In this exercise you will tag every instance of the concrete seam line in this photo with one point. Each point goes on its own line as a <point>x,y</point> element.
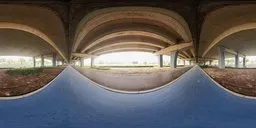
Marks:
<point>34,92</point>
<point>131,92</point>
<point>225,89</point>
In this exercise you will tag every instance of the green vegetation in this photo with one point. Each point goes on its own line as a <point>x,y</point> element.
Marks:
<point>25,71</point>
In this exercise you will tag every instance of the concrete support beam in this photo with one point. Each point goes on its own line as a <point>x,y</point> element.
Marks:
<point>236,61</point>
<point>34,61</point>
<point>192,51</point>
<point>54,59</point>
<point>190,62</point>
<point>160,59</point>
<point>92,61</point>
<point>42,60</point>
<point>186,54</point>
<point>175,47</point>
<point>84,55</point>
<point>81,62</point>
<point>184,62</point>
<point>182,56</point>
<point>221,54</point>
<point>231,51</point>
<point>174,55</point>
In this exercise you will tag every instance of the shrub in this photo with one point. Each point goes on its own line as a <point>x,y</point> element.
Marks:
<point>25,71</point>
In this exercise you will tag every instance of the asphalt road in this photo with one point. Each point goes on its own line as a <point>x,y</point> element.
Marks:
<point>71,101</point>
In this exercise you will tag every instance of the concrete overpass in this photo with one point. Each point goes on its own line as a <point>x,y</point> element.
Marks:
<point>74,30</point>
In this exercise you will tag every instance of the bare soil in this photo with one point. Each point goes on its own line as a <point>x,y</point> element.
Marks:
<point>133,79</point>
<point>241,81</point>
<point>15,85</point>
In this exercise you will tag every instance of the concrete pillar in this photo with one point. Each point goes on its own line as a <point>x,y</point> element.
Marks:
<point>34,61</point>
<point>210,62</point>
<point>160,60</point>
<point>92,62</point>
<point>190,62</point>
<point>244,62</point>
<point>42,60</point>
<point>184,62</point>
<point>221,54</point>
<point>236,61</point>
<point>54,59</point>
<point>174,56</point>
<point>82,62</point>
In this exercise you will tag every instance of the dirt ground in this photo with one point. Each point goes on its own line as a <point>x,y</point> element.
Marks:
<point>242,81</point>
<point>19,85</point>
<point>133,79</point>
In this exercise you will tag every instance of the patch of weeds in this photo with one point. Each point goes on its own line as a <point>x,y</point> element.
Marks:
<point>100,68</point>
<point>24,71</point>
<point>204,66</point>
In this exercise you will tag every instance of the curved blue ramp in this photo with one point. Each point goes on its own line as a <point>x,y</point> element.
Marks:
<point>71,101</point>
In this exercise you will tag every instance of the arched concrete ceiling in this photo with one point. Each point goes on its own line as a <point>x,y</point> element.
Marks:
<point>114,24</point>
<point>114,30</point>
<point>110,38</point>
<point>128,47</point>
<point>129,39</point>
<point>243,42</point>
<point>20,43</point>
<point>224,22</point>
<point>39,21</point>
<point>126,50</point>
<point>102,48</point>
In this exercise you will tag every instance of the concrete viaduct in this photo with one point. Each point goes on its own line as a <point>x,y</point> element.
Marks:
<point>67,31</point>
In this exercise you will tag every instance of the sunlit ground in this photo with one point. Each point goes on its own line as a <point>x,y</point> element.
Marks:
<point>130,59</point>
<point>21,62</point>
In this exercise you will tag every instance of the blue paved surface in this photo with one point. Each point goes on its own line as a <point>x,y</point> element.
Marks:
<point>72,102</point>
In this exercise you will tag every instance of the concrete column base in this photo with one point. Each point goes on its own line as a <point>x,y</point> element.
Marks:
<point>236,61</point>
<point>82,62</point>
<point>54,59</point>
<point>34,61</point>
<point>221,53</point>
<point>160,59</point>
<point>244,62</point>
<point>42,60</point>
<point>92,62</point>
<point>174,56</point>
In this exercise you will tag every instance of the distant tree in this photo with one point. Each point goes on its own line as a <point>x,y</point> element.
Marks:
<point>135,62</point>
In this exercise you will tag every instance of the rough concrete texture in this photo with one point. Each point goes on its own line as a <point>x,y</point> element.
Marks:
<point>231,19</point>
